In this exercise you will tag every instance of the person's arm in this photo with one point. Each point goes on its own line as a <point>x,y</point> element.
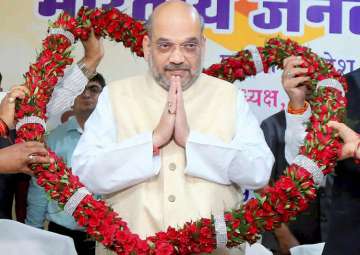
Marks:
<point>37,203</point>
<point>351,139</point>
<point>298,112</point>
<point>64,94</point>
<point>103,164</point>
<point>295,133</point>
<point>286,239</point>
<point>246,160</point>
<point>17,158</point>
<point>74,81</point>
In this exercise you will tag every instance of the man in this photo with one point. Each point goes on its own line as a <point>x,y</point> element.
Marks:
<point>62,141</point>
<point>309,227</point>
<point>173,145</point>
<point>345,209</point>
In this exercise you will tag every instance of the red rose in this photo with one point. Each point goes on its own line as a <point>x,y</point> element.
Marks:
<point>269,224</point>
<point>252,230</point>
<point>163,248</point>
<point>248,217</point>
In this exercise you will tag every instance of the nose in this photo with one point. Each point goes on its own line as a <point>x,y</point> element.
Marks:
<point>177,56</point>
<point>86,93</point>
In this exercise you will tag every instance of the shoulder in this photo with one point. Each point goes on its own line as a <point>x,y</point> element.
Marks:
<point>355,73</point>
<point>127,82</point>
<point>277,119</point>
<point>218,84</point>
<point>58,132</point>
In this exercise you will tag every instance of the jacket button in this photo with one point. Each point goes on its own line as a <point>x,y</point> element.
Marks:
<point>171,198</point>
<point>172,166</point>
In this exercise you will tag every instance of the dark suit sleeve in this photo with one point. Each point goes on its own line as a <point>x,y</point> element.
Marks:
<point>274,132</point>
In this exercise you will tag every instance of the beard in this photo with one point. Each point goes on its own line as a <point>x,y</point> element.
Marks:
<point>165,83</point>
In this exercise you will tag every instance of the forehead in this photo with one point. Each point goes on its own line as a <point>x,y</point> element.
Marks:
<point>177,28</point>
<point>93,83</point>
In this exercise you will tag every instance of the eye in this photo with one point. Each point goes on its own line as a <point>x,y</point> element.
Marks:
<point>190,46</point>
<point>164,46</point>
<point>95,89</point>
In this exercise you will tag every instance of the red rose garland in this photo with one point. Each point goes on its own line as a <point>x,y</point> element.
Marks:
<point>288,197</point>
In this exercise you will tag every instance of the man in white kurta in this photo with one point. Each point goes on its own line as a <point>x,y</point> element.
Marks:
<point>210,143</point>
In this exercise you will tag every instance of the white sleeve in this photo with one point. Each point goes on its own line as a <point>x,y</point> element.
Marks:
<point>295,133</point>
<point>64,94</point>
<point>246,160</point>
<point>104,165</point>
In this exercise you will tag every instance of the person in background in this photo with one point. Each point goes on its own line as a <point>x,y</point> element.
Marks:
<point>13,185</point>
<point>61,101</point>
<point>345,210</point>
<point>62,141</point>
<point>16,158</point>
<point>310,226</point>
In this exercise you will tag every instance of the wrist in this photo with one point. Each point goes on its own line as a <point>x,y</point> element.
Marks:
<point>88,67</point>
<point>156,151</point>
<point>156,139</point>
<point>296,108</point>
<point>93,61</point>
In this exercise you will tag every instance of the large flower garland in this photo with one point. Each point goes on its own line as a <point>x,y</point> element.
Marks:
<point>288,197</point>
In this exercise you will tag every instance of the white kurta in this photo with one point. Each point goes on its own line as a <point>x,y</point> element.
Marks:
<point>98,150</point>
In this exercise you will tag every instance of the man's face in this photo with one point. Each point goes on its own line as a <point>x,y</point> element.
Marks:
<point>175,49</point>
<point>86,102</point>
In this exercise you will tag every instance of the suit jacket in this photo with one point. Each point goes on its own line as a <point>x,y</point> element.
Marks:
<point>310,226</point>
<point>345,212</point>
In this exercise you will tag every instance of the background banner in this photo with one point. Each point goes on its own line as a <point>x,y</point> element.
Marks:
<point>330,27</point>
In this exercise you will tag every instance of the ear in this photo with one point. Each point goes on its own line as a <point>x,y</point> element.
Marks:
<point>146,47</point>
<point>203,44</point>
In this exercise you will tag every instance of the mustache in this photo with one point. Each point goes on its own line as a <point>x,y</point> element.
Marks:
<point>172,67</point>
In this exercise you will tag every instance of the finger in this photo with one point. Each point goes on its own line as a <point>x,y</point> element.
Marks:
<point>296,82</point>
<point>291,63</point>
<point>334,124</point>
<point>291,58</point>
<point>37,148</point>
<point>39,151</point>
<point>92,33</point>
<point>16,94</point>
<point>290,73</point>
<point>37,159</point>
<point>171,104</point>
<point>22,88</point>
<point>34,144</point>
<point>341,128</point>
<point>27,170</point>
<point>180,101</point>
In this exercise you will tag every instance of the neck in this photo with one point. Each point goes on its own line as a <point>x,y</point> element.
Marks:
<point>81,119</point>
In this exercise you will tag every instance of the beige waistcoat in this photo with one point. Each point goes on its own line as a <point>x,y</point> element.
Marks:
<point>171,198</point>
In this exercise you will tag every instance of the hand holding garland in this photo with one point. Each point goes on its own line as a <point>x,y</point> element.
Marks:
<point>351,147</point>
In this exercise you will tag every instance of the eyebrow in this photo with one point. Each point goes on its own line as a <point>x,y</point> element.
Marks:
<point>190,39</point>
<point>93,85</point>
